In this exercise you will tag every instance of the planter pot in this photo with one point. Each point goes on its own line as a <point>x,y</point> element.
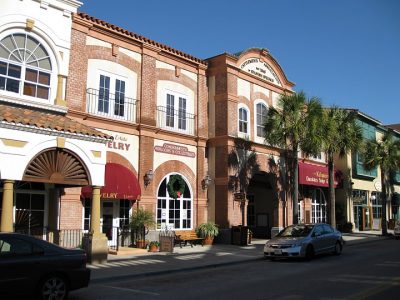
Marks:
<point>153,248</point>
<point>208,240</point>
<point>141,244</point>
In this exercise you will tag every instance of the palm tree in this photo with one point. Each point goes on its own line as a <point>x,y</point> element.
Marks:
<point>340,134</point>
<point>386,154</point>
<point>292,128</point>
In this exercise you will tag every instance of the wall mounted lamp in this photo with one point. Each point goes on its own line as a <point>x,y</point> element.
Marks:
<point>148,177</point>
<point>206,182</point>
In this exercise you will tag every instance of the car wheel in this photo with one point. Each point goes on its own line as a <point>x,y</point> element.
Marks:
<point>267,257</point>
<point>309,252</point>
<point>338,249</point>
<point>53,287</point>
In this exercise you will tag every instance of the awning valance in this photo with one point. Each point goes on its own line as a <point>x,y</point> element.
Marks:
<point>120,183</point>
<point>316,175</point>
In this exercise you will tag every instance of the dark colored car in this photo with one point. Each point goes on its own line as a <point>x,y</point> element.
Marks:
<point>30,266</point>
<point>304,240</point>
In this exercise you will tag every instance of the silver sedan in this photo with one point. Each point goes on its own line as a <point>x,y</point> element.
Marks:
<point>304,240</point>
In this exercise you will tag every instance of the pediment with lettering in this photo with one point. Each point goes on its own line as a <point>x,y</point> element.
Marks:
<point>261,69</point>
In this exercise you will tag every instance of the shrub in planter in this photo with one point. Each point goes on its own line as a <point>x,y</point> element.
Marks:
<point>140,222</point>
<point>208,231</point>
<point>153,246</point>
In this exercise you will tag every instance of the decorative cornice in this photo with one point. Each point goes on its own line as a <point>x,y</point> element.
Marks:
<point>133,37</point>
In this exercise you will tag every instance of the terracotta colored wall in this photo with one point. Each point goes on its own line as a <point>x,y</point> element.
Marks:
<point>71,209</point>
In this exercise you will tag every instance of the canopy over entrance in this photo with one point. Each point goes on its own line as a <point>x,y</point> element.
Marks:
<point>120,183</point>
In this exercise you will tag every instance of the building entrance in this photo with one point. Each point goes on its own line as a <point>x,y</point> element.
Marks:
<point>260,205</point>
<point>362,217</point>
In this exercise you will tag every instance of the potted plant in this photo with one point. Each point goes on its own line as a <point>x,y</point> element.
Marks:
<point>153,246</point>
<point>140,222</point>
<point>208,231</point>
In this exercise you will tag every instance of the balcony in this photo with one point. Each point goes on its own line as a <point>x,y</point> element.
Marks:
<point>111,106</point>
<point>175,120</point>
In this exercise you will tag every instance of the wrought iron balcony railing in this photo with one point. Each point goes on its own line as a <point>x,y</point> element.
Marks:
<point>175,120</point>
<point>114,106</point>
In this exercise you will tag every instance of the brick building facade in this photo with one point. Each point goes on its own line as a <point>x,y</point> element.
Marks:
<point>166,122</point>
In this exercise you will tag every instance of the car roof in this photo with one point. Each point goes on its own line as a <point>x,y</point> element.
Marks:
<point>30,238</point>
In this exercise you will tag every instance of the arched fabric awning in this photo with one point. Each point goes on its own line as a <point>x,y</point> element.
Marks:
<point>120,183</point>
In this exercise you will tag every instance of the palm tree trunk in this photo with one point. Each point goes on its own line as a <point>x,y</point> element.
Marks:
<point>383,195</point>
<point>332,199</point>
<point>295,170</point>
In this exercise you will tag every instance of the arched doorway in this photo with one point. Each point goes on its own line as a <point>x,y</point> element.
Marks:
<point>37,197</point>
<point>260,205</point>
<point>174,213</point>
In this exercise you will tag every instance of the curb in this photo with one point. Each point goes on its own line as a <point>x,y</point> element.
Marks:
<point>352,243</point>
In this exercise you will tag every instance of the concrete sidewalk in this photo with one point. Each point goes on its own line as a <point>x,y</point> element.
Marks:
<point>187,258</point>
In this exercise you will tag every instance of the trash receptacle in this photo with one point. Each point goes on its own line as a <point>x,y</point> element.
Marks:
<point>240,235</point>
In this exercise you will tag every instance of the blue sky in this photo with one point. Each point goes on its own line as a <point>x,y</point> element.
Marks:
<point>346,52</point>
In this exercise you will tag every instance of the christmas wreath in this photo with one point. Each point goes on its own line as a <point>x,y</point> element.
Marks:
<point>176,186</point>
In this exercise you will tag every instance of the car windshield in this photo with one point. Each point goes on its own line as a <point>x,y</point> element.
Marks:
<point>296,231</point>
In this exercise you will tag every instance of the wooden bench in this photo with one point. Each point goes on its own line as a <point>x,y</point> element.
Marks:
<point>185,236</point>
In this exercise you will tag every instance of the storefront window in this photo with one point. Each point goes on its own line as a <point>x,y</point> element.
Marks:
<point>173,213</point>
<point>124,208</point>
<point>86,218</point>
<point>360,197</point>
<point>376,203</point>
<point>318,214</point>
<point>300,214</point>
<point>29,213</point>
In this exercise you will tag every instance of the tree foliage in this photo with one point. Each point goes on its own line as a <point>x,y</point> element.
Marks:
<point>294,126</point>
<point>386,154</point>
<point>339,134</point>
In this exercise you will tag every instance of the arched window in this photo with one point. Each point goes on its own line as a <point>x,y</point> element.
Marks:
<point>174,213</point>
<point>25,66</point>
<point>261,113</point>
<point>243,120</point>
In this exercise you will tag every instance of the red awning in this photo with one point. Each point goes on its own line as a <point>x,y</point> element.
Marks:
<point>316,175</point>
<point>120,183</point>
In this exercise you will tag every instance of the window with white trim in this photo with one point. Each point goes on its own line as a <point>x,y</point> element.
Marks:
<point>243,120</point>
<point>300,212</point>
<point>318,213</point>
<point>176,112</point>
<point>25,66</point>
<point>109,102</point>
<point>261,114</point>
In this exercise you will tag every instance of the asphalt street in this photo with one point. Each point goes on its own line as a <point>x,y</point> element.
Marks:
<point>363,271</point>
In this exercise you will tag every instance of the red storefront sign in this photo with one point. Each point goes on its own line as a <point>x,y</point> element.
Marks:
<point>316,175</point>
